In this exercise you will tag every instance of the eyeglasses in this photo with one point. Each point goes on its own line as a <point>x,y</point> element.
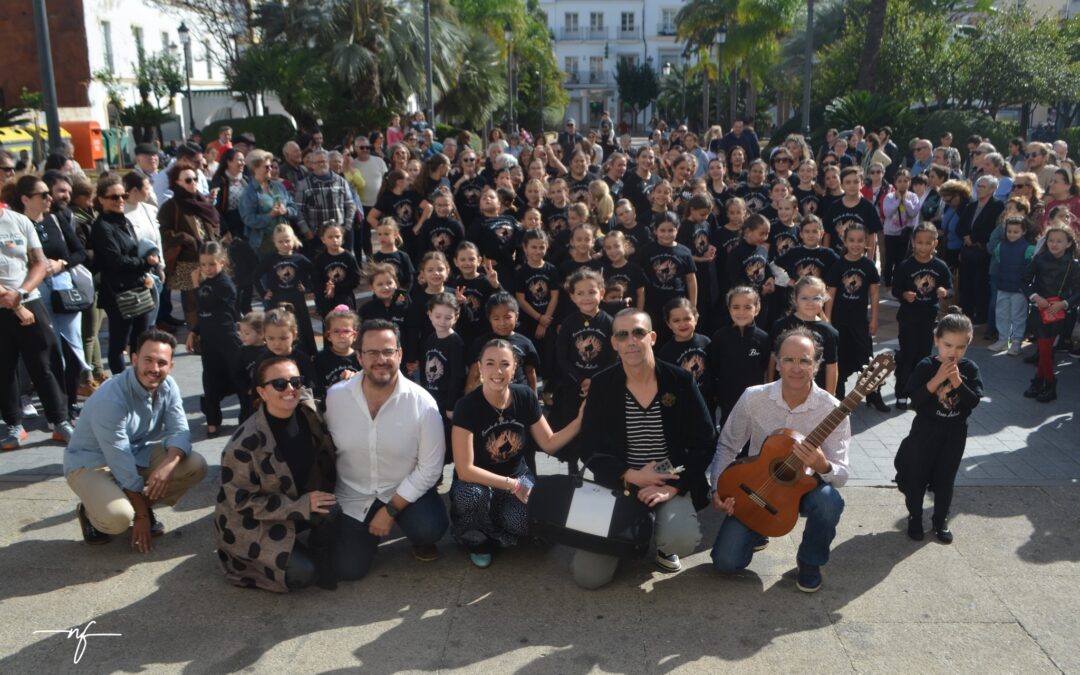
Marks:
<point>376,353</point>
<point>280,383</point>
<point>811,298</point>
<point>116,198</point>
<point>468,160</point>
<point>782,159</point>
<point>188,181</point>
<point>624,335</point>
<point>363,147</point>
<point>802,362</point>
<point>7,169</point>
<point>43,195</point>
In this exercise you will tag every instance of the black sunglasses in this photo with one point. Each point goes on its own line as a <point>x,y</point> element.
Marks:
<point>7,169</point>
<point>280,383</point>
<point>638,333</point>
<point>188,181</point>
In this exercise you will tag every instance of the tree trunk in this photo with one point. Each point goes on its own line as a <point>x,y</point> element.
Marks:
<point>875,30</point>
<point>1025,119</point>
<point>751,94</point>
<point>734,103</point>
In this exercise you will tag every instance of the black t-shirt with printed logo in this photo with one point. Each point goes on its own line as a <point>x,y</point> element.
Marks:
<point>782,238</point>
<point>536,285</point>
<point>344,271</point>
<point>801,261</point>
<point>693,357</point>
<point>923,279</point>
<point>441,234</point>
<point>498,238</point>
<point>499,447</point>
<point>756,198</point>
<point>840,216</point>
<point>852,280</point>
<point>330,367</point>
<point>638,191</point>
<point>396,311</point>
<point>748,265</point>
<point>584,346</point>
<point>443,369</point>
<point>473,320</point>
<point>809,201</point>
<point>636,237</point>
<point>665,268</point>
<point>404,208</point>
<point>282,275</point>
<point>401,262</point>
<point>579,188</point>
<point>553,218</point>
<point>467,200</point>
<point>629,276</point>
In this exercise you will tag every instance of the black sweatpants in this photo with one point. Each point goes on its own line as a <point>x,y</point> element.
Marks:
<point>218,362</point>
<point>916,336</point>
<point>35,344</point>
<point>855,347</point>
<point>930,457</point>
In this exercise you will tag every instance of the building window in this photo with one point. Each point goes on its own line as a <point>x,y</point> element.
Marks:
<point>209,61</point>
<point>626,23</point>
<point>596,21</point>
<point>106,35</point>
<point>667,21</point>
<point>164,41</point>
<point>571,69</point>
<point>596,69</point>
<point>628,60</point>
<point>140,45</point>
<point>570,24</point>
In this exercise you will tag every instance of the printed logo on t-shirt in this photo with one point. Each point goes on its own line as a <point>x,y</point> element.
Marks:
<point>538,290</point>
<point>925,284</point>
<point>403,212</point>
<point>665,270</point>
<point>286,274</point>
<point>754,269</point>
<point>588,347</point>
<point>852,282</point>
<point>693,361</point>
<point>755,201</point>
<point>784,243</point>
<point>808,268</point>
<point>441,240</point>
<point>504,441</point>
<point>434,368</point>
<point>701,242</point>
<point>335,272</point>
<point>948,399</point>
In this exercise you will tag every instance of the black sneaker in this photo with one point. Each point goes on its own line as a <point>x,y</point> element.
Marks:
<point>943,533</point>
<point>1036,387</point>
<point>901,404</point>
<point>915,528</point>
<point>761,544</point>
<point>90,534</point>
<point>157,528</point>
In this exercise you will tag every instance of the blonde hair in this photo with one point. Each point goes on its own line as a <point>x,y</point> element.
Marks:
<point>285,228</point>
<point>603,204</point>
<point>388,221</point>
<point>282,316</point>
<point>253,320</point>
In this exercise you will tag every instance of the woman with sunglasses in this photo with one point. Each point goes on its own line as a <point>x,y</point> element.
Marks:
<point>780,166</point>
<point>276,518</point>
<point>25,327</point>
<point>1026,184</point>
<point>188,221</point>
<point>876,188</point>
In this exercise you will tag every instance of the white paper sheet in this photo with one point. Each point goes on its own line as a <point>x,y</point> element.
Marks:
<point>591,509</point>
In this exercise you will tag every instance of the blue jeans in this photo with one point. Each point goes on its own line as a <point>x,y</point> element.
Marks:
<point>424,522</point>
<point>991,313</point>
<point>1011,313</point>
<point>822,506</point>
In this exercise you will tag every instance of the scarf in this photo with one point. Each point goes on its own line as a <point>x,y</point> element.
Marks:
<point>192,204</point>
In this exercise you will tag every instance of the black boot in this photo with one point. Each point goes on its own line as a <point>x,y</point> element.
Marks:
<point>915,528</point>
<point>942,531</point>
<point>1036,387</point>
<point>91,535</point>
<point>1048,393</point>
<point>873,399</point>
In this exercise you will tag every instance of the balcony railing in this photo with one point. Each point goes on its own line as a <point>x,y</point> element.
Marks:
<point>578,79</point>
<point>629,33</point>
<point>598,33</point>
<point>581,34</point>
<point>600,77</point>
<point>666,29</point>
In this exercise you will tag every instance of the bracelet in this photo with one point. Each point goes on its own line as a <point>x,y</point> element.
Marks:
<point>143,516</point>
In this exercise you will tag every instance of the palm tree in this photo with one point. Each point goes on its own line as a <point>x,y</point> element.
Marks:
<point>875,31</point>
<point>480,87</point>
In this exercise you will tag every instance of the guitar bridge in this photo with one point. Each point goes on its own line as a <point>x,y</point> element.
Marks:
<point>758,499</point>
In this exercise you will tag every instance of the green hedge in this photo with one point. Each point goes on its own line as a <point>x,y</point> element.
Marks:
<point>1072,137</point>
<point>964,123</point>
<point>271,131</point>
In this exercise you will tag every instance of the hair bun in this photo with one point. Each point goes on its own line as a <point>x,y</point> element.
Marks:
<point>954,309</point>
<point>287,306</point>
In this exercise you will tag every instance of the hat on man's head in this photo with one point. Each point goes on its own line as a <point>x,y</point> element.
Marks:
<point>146,149</point>
<point>245,137</point>
<point>570,121</point>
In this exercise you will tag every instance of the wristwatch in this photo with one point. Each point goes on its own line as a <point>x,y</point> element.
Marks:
<point>392,510</point>
<point>23,295</point>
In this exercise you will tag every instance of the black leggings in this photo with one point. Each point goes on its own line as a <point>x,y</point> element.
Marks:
<point>123,333</point>
<point>314,563</point>
<point>67,369</point>
<point>35,344</point>
<point>896,246</point>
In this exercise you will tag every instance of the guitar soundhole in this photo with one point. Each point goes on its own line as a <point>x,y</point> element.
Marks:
<point>783,472</point>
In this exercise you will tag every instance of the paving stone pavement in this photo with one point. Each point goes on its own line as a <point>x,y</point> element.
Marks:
<point>1003,598</point>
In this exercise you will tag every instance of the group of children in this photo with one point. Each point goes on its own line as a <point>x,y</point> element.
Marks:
<point>720,279</point>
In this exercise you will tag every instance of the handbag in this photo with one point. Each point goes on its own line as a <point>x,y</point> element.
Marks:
<point>78,293</point>
<point>1045,314</point>
<point>580,513</point>
<point>134,302</point>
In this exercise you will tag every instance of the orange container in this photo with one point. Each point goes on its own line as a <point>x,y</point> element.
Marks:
<point>88,142</point>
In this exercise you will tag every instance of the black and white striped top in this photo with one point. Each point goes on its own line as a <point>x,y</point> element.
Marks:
<point>645,440</point>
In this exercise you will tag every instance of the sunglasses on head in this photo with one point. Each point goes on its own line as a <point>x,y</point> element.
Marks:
<point>637,333</point>
<point>280,383</point>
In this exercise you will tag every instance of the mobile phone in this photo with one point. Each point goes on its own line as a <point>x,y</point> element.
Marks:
<point>665,466</point>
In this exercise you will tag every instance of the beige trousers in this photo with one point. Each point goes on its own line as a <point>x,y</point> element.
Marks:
<point>108,507</point>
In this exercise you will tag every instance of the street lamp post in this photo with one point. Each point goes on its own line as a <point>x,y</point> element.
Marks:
<point>508,33</point>
<point>185,39</point>
<point>686,62</point>
<point>808,58</point>
<point>540,79</point>
<point>427,64</point>
<point>705,92</point>
<point>721,38</point>
<point>666,70</point>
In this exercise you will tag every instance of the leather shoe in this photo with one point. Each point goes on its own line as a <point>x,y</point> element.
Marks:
<point>90,534</point>
<point>874,400</point>
<point>943,534</point>
<point>157,528</point>
<point>915,528</point>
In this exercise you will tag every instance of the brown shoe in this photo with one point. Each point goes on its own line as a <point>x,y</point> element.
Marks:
<point>425,552</point>
<point>101,377</point>
<point>87,389</point>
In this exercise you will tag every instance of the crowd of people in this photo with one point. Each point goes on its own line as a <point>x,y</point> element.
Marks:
<point>537,294</point>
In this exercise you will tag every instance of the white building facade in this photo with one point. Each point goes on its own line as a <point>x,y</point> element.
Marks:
<point>592,36</point>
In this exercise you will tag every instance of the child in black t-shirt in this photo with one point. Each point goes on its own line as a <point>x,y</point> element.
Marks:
<point>434,270</point>
<point>388,241</point>
<point>388,301</point>
<point>920,282</point>
<point>538,294</point>
<point>442,232</point>
<point>810,295</point>
<point>250,329</point>
<point>338,361</point>
<point>852,208</point>
<point>582,249</point>
<point>497,236</point>
<point>853,283</point>
<point>748,265</point>
<point>697,234</point>
<point>618,268</point>
<point>809,257</point>
<point>687,348</point>
<point>626,222</point>
<point>502,315</point>
<point>727,238</point>
<point>443,360</point>
<point>583,347</point>
<point>784,229</point>
<point>738,353</point>
<point>337,273</point>
<point>216,333</point>
<point>284,277</point>
<point>670,271</point>
<point>473,288</point>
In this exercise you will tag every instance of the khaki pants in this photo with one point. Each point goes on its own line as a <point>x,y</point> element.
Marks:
<point>108,507</point>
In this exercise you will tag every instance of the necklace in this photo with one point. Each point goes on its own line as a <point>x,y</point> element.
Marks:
<point>500,411</point>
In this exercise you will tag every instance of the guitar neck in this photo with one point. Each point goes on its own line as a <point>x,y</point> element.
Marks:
<point>834,418</point>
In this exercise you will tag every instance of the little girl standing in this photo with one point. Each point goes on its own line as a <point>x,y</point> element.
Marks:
<point>339,360</point>
<point>337,273</point>
<point>688,349</point>
<point>944,389</point>
<point>389,302</point>
<point>216,331</point>
<point>1053,284</point>
<point>283,278</point>
<point>388,241</point>
<point>738,353</point>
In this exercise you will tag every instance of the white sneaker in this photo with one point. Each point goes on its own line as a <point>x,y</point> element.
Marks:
<point>1014,348</point>
<point>28,409</point>
<point>668,563</point>
<point>999,346</point>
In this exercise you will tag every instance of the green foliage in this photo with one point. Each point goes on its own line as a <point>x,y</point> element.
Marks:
<point>873,111</point>
<point>270,131</point>
<point>34,100</point>
<point>480,88</point>
<point>1070,136</point>
<point>963,123</point>
<point>638,84</point>
<point>11,116</point>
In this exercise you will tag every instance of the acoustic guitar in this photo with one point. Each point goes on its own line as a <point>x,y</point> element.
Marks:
<point>768,486</point>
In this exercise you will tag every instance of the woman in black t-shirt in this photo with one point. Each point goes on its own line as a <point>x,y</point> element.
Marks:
<point>492,429</point>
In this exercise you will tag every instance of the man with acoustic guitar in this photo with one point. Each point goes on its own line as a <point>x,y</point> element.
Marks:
<point>794,403</point>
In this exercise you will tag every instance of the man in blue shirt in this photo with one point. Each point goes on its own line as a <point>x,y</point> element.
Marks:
<point>132,448</point>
